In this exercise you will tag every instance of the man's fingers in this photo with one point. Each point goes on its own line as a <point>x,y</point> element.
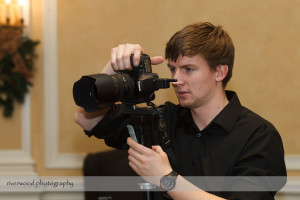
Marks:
<point>119,57</point>
<point>113,59</point>
<point>134,155</point>
<point>136,56</point>
<point>126,58</point>
<point>133,160</point>
<point>138,147</point>
<point>134,167</point>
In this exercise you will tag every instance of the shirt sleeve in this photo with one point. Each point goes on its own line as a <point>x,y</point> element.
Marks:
<point>113,128</point>
<point>260,171</point>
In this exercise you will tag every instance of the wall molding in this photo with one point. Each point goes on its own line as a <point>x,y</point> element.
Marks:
<point>54,159</point>
<point>19,161</point>
<point>292,161</point>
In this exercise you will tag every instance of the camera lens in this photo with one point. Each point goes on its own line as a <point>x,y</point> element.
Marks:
<point>98,91</point>
<point>124,86</point>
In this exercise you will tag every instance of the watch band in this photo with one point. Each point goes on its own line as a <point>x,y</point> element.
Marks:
<point>173,173</point>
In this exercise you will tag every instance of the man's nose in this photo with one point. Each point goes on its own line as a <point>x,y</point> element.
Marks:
<point>179,82</point>
<point>178,78</point>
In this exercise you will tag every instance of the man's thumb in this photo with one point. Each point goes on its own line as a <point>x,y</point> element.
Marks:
<point>156,60</point>
<point>157,149</point>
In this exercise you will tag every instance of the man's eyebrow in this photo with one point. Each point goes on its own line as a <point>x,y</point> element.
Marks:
<point>182,66</point>
<point>169,65</point>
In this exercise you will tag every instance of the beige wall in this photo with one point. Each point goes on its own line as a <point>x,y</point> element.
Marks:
<point>10,130</point>
<point>265,74</point>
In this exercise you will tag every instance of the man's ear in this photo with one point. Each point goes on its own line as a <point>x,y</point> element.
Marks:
<point>221,72</point>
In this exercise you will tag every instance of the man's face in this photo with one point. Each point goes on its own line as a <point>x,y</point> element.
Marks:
<point>196,83</point>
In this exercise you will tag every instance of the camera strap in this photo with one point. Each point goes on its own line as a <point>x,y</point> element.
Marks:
<point>164,136</point>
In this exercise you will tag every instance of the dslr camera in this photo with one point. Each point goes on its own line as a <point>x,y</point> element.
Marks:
<point>98,91</point>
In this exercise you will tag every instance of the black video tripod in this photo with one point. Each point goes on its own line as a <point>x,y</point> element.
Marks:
<point>147,121</point>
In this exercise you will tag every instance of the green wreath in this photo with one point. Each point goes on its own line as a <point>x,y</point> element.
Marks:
<point>16,67</point>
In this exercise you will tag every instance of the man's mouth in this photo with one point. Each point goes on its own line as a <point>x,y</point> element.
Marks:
<point>182,93</point>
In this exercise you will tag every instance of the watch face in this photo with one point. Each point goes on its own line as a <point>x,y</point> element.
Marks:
<point>167,183</point>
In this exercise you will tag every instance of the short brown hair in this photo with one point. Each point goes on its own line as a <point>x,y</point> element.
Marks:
<point>211,42</point>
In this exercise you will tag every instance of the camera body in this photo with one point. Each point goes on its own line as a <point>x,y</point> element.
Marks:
<point>97,91</point>
<point>144,81</point>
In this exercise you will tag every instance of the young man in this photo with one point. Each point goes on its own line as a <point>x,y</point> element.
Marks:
<point>211,133</point>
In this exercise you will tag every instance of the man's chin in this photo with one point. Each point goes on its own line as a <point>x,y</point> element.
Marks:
<point>185,104</point>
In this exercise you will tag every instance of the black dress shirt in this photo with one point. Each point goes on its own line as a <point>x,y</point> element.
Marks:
<point>237,142</point>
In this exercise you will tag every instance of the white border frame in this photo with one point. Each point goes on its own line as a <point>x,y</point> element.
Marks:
<point>19,161</point>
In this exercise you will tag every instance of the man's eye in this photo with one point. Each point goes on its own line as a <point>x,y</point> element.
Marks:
<point>188,69</point>
<point>172,69</point>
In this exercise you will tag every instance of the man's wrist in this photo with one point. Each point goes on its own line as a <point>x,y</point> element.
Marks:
<point>168,182</point>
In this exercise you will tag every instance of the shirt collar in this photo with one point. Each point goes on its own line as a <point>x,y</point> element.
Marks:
<point>229,115</point>
<point>226,118</point>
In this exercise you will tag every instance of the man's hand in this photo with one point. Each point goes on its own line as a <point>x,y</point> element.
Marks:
<point>120,58</point>
<point>148,162</point>
<point>88,120</point>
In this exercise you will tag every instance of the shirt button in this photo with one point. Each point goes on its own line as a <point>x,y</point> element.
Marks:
<point>199,135</point>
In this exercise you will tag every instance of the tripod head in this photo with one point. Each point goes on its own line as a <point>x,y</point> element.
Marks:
<point>144,122</point>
